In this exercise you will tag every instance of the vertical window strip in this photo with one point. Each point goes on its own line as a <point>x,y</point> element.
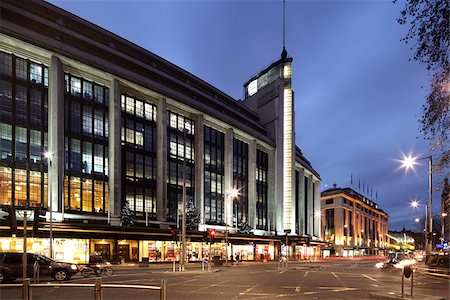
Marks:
<point>22,126</point>
<point>86,173</point>
<point>139,155</point>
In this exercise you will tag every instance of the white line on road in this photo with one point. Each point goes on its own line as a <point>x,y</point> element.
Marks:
<point>371,278</point>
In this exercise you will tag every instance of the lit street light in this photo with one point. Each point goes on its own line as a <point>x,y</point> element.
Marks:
<point>415,204</point>
<point>49,157</point>
<point>409,162</point>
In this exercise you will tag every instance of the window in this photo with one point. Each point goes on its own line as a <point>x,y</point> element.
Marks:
<point>139,156</point>
<point>214,175</point>
<point>181,144</point>
<point>329,201</point>
<point>86,168</point>
<point>240,180</point>
<point>262,166</point>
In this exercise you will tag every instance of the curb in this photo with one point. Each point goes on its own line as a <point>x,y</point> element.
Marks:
<point>395,296</point>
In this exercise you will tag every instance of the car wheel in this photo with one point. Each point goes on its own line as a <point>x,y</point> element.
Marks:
<point>108,271</point>
<point>61,275</point>
<point>3,277</point>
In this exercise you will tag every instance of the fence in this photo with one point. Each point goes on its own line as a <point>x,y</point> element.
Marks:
<point>98,286</point>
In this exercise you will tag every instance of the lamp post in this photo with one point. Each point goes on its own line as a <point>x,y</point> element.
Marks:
<point>415,204</point>
<point>408,163</point>
<point>443,215</point>
<point>232,194</point>
<point>183,222</point>
<point>49,157</point>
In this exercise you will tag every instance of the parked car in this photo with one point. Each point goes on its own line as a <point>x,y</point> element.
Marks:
<point>11,267</point>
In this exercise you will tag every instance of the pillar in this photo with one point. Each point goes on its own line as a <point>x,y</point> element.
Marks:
<point>115,154</point>
<point>199,166</point>
<point>228,172</point>
<point>161,161</point>
<point>56,134</point>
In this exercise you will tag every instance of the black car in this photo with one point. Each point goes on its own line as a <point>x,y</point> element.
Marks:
<point>11,267</point>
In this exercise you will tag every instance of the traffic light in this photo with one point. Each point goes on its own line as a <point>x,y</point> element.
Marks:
<point>39,215</point>
<point>173,234</point>
<point>211,234</point>
<point>11,218</point>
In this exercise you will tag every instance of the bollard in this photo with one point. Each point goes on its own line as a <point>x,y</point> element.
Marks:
<point>203,265</point>
<point>173,267</point>
<point>26,289</point>
<point>412,284</point>
<point>403,283</point>
<point>98,292</point>
<point>163,291</point>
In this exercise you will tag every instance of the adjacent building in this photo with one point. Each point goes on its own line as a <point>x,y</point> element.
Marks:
<point>127,135</point>
<point>352,224</point>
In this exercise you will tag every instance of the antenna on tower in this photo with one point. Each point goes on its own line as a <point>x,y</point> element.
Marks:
<point>284,24</point>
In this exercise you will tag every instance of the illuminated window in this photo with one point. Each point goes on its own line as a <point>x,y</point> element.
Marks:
<point>252,87</point>
<point>86,140</point>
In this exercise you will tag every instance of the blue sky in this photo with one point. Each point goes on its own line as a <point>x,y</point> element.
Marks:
<point>357,97</point>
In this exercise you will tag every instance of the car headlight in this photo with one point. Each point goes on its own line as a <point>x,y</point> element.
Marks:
<point>74,267</point>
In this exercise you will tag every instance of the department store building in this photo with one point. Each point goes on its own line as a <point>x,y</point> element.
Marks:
<point>123,127</point>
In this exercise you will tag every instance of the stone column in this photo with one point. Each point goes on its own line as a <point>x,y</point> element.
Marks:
<point>56,134</point>
<point>310,206</point>
<point>161,161</point>
<point>301,201</point>
<point>199,166</point>
<point>115,155</point>
<point>228,172</point>
<point>252,184</point>
<point>317,208</point>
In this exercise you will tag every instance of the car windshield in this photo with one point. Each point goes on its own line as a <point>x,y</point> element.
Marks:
<point>45,259</point>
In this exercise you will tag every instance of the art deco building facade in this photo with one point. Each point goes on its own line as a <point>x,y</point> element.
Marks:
<point>123,125</point>
<point>352,223</point>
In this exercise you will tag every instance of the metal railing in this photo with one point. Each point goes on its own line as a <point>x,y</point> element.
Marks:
<point>98,287</point>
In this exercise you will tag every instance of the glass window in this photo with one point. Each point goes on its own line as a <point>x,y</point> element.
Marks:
<point>21,69</point>
<point>87,90</point>
<point>75,86</point>
<point>21,145</point>
<point>87,157</point>
<point>35,73</point>
<point>5,64</point>
<point>21,104</point>
<point>5,100</point>
<point>5,143</point>
<point>5,186</point>
<point>87,195</point>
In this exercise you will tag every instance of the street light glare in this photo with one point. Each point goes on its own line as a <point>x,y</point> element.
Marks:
<point>233,193</point>
<point>409,162</point>
<point>417,220</point>
<point>48,155</point>
<point>414,203</point>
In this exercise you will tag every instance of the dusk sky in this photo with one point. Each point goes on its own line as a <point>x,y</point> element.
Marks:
<point>357,97</point>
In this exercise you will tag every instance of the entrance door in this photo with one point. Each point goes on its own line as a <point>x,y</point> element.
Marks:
<point>104,249</point>
<point>124,251</point>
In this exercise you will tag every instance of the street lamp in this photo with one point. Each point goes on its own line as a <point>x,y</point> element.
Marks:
<point>183,224</point>
<point>409,162</point>
<point>231,195</point>
<point>415,204</point>
<point>443,215</point>
<point>49,157</point>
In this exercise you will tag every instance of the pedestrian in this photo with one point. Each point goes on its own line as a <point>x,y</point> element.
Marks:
<point>237,258</point>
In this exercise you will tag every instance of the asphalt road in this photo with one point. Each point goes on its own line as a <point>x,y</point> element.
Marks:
<point>317,280</point>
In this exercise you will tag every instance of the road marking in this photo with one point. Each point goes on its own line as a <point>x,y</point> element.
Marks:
<point>339,279</point>
<point>310,293</point>
<point>297,290</point>
<point>373,279</point>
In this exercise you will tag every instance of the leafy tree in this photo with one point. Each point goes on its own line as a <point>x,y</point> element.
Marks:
<point>126,217</point>
<point>429,23</point>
